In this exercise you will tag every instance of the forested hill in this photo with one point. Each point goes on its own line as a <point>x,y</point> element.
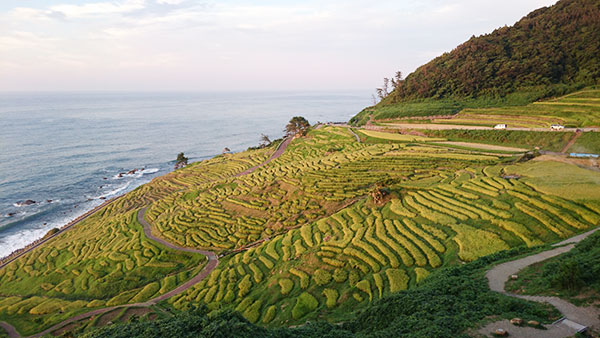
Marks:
<point>552,45</point>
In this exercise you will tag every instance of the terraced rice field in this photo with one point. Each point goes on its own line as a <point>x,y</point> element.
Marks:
<point>579,109</point>
<point>302,236</point>
<point>106,260</point>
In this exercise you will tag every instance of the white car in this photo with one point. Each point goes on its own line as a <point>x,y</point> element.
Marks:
<point>500,126</point>
<point>557,127</point>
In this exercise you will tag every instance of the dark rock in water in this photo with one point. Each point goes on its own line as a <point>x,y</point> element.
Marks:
<point>102,198</point>
<point>132,171</point>
<point>25,203</point>
<point>104,178</point>
<point>120,175</point>
<point>90,199</point>
<point>45,223</point>
<point>11,214</point>
<point>49,201</point>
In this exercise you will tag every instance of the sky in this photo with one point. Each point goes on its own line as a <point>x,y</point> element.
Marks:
<point>195,45</point>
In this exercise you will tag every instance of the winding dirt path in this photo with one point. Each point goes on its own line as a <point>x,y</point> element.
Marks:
<point>278,152</point>
<point>211,264</point>
<point>12,333</point>
<point>574,318</point>
<point>571,142</point>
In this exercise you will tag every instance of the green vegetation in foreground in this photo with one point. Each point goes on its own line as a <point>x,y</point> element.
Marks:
<point>551,141</point>
<point>574,275</point>
<point>447,304</point>
<point>331,249</point>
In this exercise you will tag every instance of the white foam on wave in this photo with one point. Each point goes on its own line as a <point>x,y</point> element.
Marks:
<point>139,173</point>
<point>115,191</point>
<point>18,240</point>
<point>150,171</point>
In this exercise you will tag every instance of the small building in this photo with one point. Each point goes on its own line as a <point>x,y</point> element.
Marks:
<point>557,127</point>
<point>500,126</point>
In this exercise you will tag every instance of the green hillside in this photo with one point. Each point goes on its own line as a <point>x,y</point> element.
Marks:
<point>550,52</point>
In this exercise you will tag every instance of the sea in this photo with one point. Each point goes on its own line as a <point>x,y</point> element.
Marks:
<point>66,151</point>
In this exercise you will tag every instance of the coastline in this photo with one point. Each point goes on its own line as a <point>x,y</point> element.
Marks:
<point>4,261</point>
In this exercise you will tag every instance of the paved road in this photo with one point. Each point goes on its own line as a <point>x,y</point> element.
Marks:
<point>438,126</point>
<point>212,263</point>
<point>574,317</point>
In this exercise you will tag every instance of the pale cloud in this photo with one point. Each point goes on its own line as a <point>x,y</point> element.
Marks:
<point>99,9</point>
<point>199,45</point>
<point>170,2</point>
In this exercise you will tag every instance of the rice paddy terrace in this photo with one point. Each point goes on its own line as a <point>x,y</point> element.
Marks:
<point>325,229</point>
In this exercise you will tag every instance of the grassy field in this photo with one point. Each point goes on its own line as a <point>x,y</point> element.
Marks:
<point>396,136</point>
<point>587,143</point>
<point>444,107</point>
<point>321,247</point>
<point>551,141</point>
<point>578,109</point>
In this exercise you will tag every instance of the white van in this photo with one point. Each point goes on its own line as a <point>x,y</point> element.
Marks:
<point>557,127</point>
<point>500,126</point>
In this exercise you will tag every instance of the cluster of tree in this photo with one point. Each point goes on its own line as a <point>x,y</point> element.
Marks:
<point>449,302</point>
<point>383,92</point>
<point>298,125</point>
<point>552,45</point>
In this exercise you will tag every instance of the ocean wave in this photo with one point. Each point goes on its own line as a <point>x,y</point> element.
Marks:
<point>137,173</point>
<point>115,191</point>
<point>150,171</point>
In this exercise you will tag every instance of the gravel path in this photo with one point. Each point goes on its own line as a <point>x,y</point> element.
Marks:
<point>574,317</point>
<point>212,263</point>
